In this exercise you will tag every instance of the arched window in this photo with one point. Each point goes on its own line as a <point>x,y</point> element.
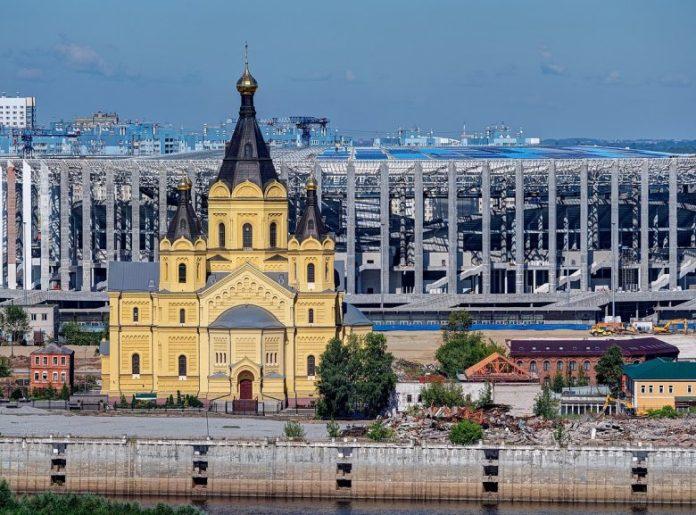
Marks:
<point>547,366</point>
<point>247,151</point>
<point>221,234</point>
<point>136,314</point>
<point>182,273</point>
<point>310,225</point>
<point>586,366</point>
<point>182,365</point>
<point>571,366</point>
<point>273,235</point>
<point>310,273</point>
<point>135,364</point>
<point>311,365</point>
<point>532,366</point>
<point>182,316</point>
<point>559,366</point>
<point>247,236</point>
<point>310,316</point>
<point>519,363</point>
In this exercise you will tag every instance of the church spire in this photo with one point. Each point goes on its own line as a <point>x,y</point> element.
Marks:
<point>246,155</point>
<point>310,223</point>
<point>185,222</point>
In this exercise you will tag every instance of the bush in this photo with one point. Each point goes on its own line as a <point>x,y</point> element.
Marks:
<point>333,429</point>
<point>75,334</point>
<point>79,504</point>
<point>663,412</point>
<point>378,432</point>
<point>294,430</point>
<point>444,394</point>
<point>465,432</point>
<point>65,392</point>
<point>45,394</point>
<point>462,350</point>
<point>545,405</point>
<point>16,394</point>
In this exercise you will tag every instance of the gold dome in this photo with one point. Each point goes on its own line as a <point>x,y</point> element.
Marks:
<point>247,84</point>
<point>185,184</point>
<point>311,184</point>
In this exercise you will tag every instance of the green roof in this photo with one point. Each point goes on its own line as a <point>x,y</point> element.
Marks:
<point>657,369</point>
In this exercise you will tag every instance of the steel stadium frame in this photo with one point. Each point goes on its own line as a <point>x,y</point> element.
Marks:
<point>540,237</point>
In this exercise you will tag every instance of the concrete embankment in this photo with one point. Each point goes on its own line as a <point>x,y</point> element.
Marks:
<point>141,467</point>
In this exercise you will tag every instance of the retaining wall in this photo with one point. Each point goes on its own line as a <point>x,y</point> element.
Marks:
<point>137,467</point>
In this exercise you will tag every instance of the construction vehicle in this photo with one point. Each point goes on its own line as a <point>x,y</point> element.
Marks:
<point>625,405</point>
<point>667,328</point>
<point>611,328</point>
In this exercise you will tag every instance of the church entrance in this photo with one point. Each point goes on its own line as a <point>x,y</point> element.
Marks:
<point>246,381</point>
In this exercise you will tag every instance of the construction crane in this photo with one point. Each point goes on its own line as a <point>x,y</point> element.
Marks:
<point>305,124</point>
<point>26,136</point>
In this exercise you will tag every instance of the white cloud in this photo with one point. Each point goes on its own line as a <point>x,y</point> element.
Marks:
<point>350,76</point>
<point>30,73</point>
<point>83,58</point>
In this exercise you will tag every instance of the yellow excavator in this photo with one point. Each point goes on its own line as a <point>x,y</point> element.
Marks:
<point>611,328</point>
<point>666,329</point>
<point>626,405</point>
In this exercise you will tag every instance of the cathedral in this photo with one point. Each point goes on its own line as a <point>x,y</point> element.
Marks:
<point>242,312</point>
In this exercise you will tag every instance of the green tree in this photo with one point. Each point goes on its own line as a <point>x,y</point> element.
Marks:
<point>376,379</point>
<point>461,350</point>
<point>459,321</point>
<point>465,432</point>
<point>582,379</point>
<point>65,392</point>
<point>444,394</point>
<point>75,335</point>
<point>335,384</point>
<point>14,322</point>
<point>5,367</point>
<point>355,377</point>
<point>558,383</point>
<point>545,405</point>
<point>609,369</point>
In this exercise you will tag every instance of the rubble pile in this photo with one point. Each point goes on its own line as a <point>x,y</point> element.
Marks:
<point>432,425</point>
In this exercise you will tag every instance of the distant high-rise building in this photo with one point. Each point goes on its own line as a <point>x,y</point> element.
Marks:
<point>17,112</point>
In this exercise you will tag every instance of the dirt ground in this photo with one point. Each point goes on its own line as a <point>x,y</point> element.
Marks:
<point>420,346</point>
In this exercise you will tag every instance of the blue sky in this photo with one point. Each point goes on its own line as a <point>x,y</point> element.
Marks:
<point>557,68</point>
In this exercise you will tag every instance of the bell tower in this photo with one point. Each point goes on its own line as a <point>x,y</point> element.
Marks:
<point>247,204</point>
<point>183,249</point>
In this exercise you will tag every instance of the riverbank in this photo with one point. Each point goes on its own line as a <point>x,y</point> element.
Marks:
<point>348,470</point>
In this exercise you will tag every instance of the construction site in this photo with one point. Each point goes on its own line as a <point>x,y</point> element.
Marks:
<point>521,238</point>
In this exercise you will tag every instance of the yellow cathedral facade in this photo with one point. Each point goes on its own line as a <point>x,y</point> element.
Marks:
<point>244,312</point>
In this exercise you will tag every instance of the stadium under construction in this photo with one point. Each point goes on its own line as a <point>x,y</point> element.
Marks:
<point>517,236</point>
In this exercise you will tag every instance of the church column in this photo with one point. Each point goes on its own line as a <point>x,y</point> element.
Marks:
<point>350,228</point>
<point>384,227</point>
<point>418,227</point>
